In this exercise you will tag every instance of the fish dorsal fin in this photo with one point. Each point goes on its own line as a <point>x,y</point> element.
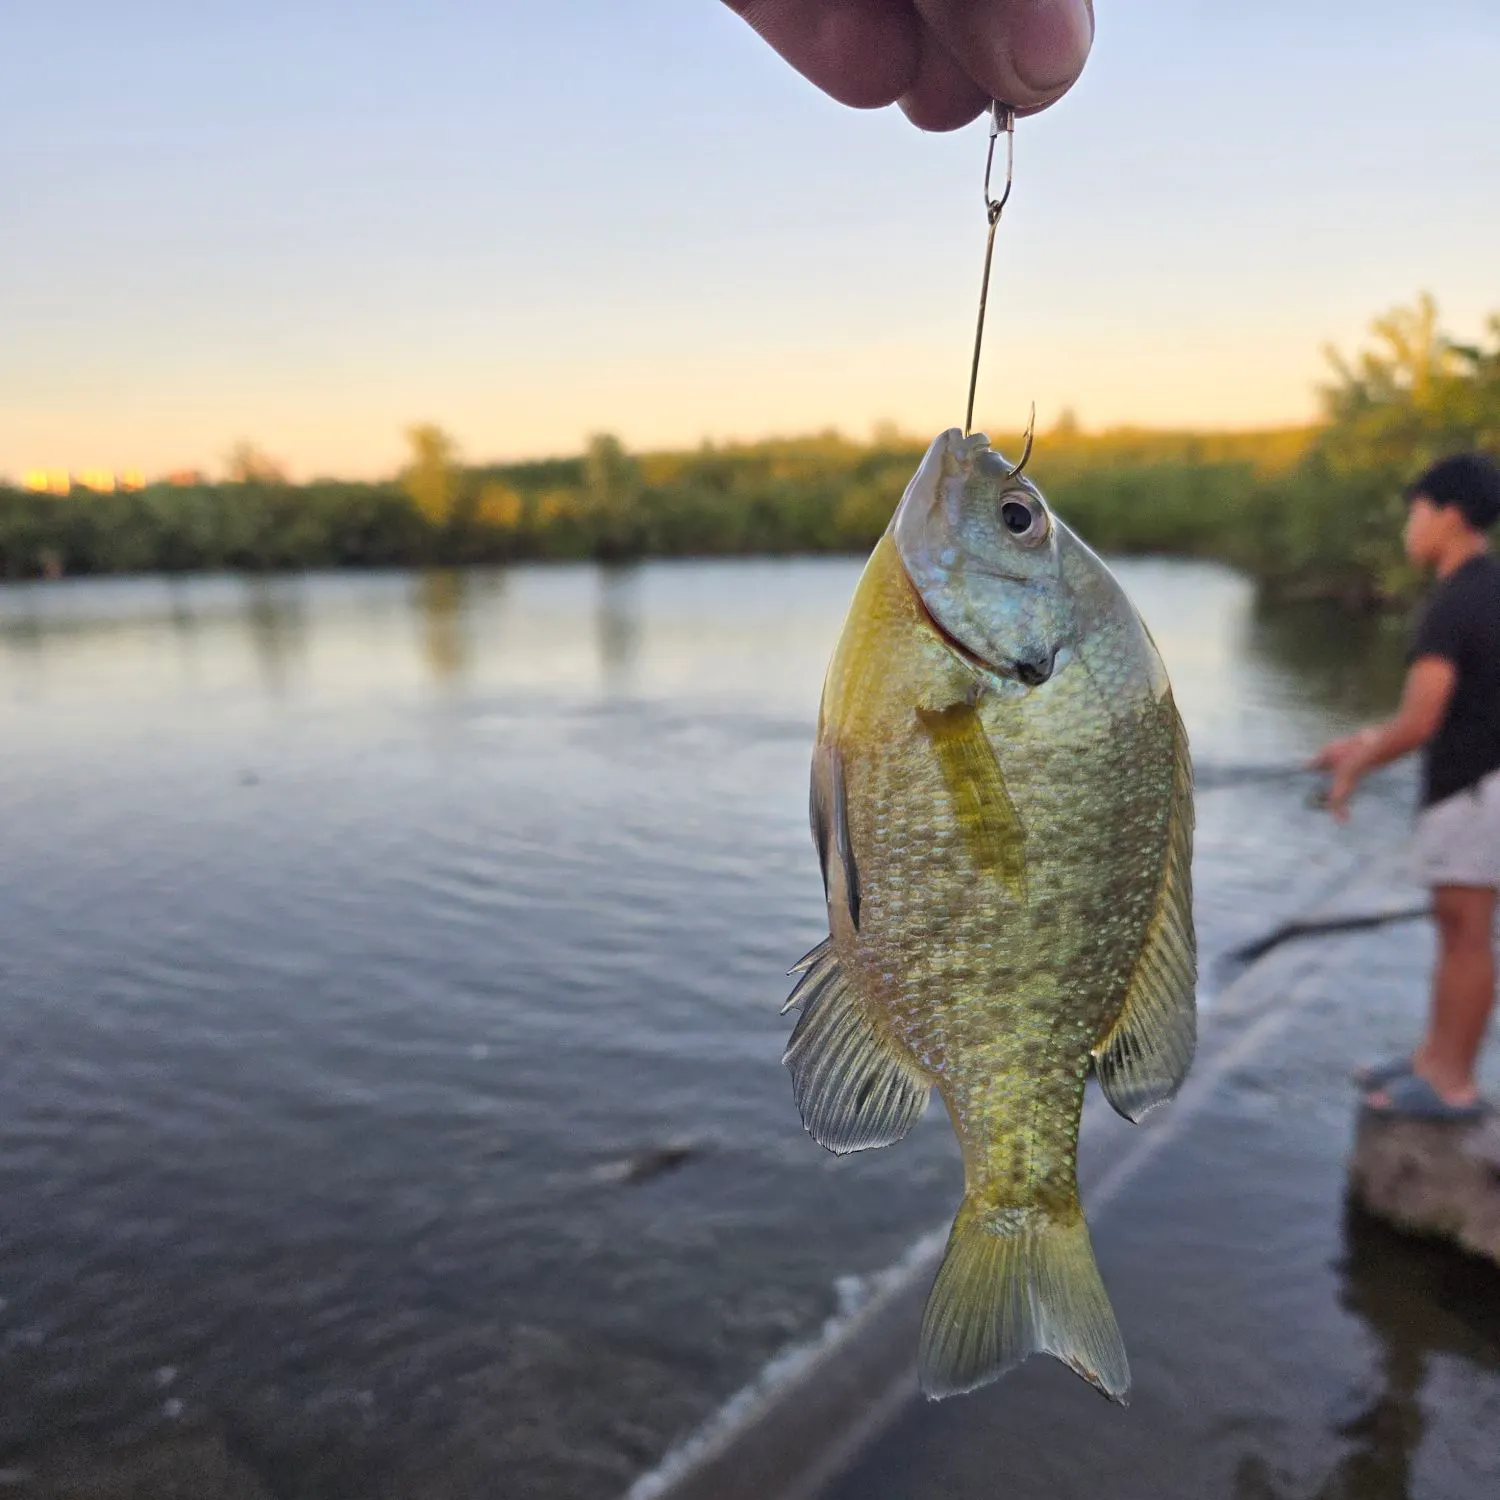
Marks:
<point>1145,1056</point>
<point>976,785</point>
<point>855,1088</point>
<point>829,812</point>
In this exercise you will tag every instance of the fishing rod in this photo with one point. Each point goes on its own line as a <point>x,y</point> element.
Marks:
<point>1213,777</point>
<point>1217,778</point>
<point>1247,953</point>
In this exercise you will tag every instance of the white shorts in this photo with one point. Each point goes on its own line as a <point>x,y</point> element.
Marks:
<point>1457,840</point>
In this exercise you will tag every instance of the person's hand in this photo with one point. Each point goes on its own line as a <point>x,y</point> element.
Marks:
<point>1346,759</point>
<point>1335,752</point>
<point>941,60</point>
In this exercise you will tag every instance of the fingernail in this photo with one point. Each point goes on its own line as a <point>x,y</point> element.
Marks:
<point>1048,41</point>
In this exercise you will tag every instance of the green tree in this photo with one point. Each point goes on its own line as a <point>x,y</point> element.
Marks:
<point>499,506</point>
<point>1067,428</point>
<point>1412,395</point>
<point>430,479</point>
<point>247,464</point>
<point>612,493</point>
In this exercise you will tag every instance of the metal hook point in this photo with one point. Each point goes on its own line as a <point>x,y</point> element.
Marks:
<point>1026,444</point>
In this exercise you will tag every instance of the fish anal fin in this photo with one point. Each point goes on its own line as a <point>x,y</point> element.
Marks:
<point>855,1088</point>
<point>1145,1056</point>
<point>976,786</point>
<point>1006,1290</point>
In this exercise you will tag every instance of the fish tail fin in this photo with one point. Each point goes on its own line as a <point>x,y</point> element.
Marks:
<point>1008,1290</point>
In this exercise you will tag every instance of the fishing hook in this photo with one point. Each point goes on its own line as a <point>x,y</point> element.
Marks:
<point>1025,444</point>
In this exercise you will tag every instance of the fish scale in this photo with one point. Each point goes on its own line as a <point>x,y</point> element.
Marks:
<point>1001,802</point>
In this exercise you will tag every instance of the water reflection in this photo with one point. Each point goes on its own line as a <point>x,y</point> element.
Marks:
<point>277,619</point>
<point>22,626</point>
<point>1419,1301</point>
<point>1350,662</point>
<point>442,598</point>
<point>180,612</point>
<point>617,623</point>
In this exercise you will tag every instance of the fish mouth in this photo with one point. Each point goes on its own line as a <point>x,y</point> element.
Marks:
<point>1028,673</point>
<point>1034,673</point>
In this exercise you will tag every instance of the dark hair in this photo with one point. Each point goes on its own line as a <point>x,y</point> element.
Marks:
<point>1469,482</point>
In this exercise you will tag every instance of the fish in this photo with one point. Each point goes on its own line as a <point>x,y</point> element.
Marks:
<point>1002,810</point>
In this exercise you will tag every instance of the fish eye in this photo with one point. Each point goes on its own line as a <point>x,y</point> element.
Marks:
<point>1024,521</point>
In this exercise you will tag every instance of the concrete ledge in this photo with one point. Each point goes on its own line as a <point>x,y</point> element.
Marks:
<point>1433,1179</point>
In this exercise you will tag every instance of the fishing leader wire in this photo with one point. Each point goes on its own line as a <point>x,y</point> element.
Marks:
<point>1002,122</point>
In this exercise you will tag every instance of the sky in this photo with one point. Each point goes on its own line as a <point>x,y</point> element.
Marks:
<point>310,225</point>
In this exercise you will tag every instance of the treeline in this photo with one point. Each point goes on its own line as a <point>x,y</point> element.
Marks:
<point>1314,511</point>
<point>1333,526</point>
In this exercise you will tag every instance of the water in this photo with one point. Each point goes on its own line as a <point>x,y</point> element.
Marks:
<point>390,966</point>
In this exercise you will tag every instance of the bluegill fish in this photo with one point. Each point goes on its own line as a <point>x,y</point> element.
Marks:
<point>1002,807</point>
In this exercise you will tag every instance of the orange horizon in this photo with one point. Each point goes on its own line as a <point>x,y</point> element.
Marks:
<point>60,480</point>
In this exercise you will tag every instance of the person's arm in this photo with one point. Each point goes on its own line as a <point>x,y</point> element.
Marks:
<point>941,60</point>
<point>1424,703</point>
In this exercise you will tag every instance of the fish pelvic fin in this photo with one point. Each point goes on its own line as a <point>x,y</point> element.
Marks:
<point>1014,1283</point>
<point>856,1089</point>
<point>828,809</point>
<point>1145,1056</point>
<point>981,800</point>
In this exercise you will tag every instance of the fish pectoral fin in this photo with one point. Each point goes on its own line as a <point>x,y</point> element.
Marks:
<point>976,787</point>
<point>1003,1292</point>
<point>1143,1059</point>
<point>828,808</point>
<point>855,1088</point>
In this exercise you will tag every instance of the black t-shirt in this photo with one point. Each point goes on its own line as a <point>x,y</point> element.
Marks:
<point>1461,623</point>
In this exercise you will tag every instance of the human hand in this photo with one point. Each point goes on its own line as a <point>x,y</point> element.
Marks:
<point>941,60</point>
<point>1335,752</point>
<point>1346,758</point>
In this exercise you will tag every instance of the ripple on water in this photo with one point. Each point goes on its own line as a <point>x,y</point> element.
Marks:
<point>341,972</point>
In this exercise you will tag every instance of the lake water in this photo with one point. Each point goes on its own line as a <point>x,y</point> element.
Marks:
<point>363,937</point>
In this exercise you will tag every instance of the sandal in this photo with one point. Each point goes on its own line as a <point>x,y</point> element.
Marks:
<point>1377,1075</point>
<point>1411,1097</point>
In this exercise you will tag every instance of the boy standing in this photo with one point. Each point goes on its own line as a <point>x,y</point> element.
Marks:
<point>1450,707</point>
